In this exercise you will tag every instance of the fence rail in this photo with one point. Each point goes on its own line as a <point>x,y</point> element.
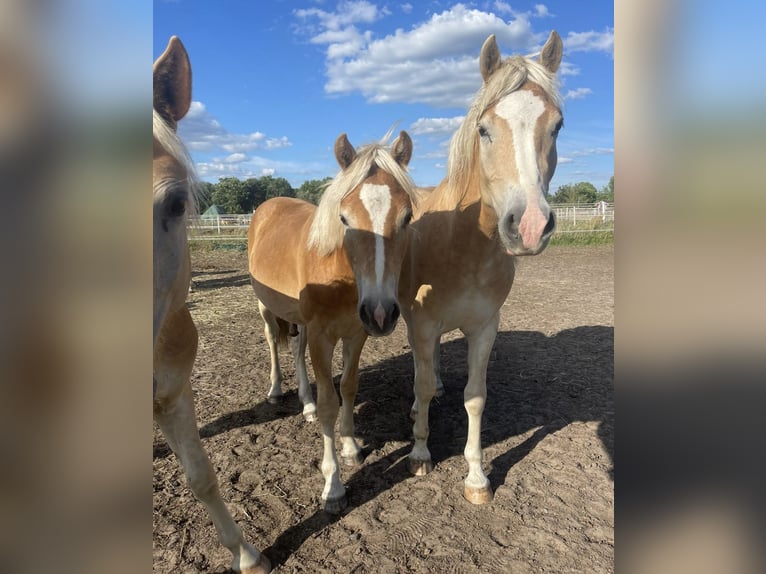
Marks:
<point>234,227</point>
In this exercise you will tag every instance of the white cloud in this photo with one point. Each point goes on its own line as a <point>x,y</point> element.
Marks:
<point>435,62</point>
<point>235,158</point>
<point>268,171</point>
<point>503,7</point>
<point>593,151</point>
<point>200,131</point>
<point>541,11</point>
<point>577,93</point>
<point>406,8</point>
<point>590,42</point>
<point>562,159</point>
<point>436,126</point>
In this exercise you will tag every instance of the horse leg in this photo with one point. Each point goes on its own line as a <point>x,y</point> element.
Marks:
<point>419,460</point>
<point>298,345</point>
<point>477,489</point>
<point>349,384</point>
<point>174,412</point>
<point>271,332</point>
<point>321,349</point>
<point>437,375</point>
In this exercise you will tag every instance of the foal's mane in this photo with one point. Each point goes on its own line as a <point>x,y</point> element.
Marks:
<point>512,74</point>
<point>326,232</point>
<point>167,137</point>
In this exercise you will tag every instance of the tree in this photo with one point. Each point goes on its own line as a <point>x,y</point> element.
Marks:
<point>204,195</point>
<point>231,195</point>
<point>277,187</point>
<point>607,192</point>
<point>312,189</point>
<point>582,192</point>
<point>256,193</point>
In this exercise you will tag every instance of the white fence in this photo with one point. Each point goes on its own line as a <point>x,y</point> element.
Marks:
<point>234,227</point>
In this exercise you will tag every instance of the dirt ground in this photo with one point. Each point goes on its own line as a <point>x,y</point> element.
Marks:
<point>548,439</point>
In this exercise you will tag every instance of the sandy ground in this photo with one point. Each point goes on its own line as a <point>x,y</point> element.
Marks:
<point>548,438</point>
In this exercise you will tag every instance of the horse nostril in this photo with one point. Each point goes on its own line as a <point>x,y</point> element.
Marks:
<point>364,314</point>
<point>395,312</point>
<point>551,225</point>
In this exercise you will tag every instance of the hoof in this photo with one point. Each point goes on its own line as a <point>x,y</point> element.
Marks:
<point>478,495</point>
<point>263,566</point>
<point>419,467</point>
<point>351,461</point>
<point>275,400</point>
<point>335,505</point>
<point>310,417</point>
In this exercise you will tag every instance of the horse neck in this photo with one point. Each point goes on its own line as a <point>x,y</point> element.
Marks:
<point>468,201</point>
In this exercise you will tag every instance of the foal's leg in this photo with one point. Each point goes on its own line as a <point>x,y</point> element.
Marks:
<point>422,344</point>
<point>349,384</point>
<point>321,347</point>
<point>271,331</point>
<point>298,345</point>
<point>174,412</point>
<point>477,489</point>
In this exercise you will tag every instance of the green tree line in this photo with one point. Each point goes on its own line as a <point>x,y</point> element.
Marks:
<point>234,195</point>
<point>584,192</point>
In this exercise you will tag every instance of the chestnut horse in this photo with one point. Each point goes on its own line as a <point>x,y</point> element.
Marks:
<point>490,208</point>
<point>335,276</point>
<point>175,336</point>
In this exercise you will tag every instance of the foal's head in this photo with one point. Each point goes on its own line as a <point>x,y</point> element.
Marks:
<point>372,218</point>
<point>172,177</point>
<point>515,121</point>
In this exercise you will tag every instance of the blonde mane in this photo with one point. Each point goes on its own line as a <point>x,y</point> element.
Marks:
<point>170,142</point>
<point>512,74</point>
<point>326,232</point>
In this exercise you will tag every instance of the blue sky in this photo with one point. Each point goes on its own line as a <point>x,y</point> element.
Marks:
<point>275,82</point>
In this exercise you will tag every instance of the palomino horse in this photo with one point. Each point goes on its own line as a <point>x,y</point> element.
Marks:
<point>336,276</point>
<point>489,209</point>
<point>175,336</point>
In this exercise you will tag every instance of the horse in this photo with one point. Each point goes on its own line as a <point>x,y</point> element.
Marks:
<point>175,336</point>
<point>335,276</point>
<point>490,208</point>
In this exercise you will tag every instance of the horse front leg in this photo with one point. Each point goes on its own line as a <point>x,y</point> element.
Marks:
<point>349,384</point>
<point>174,412</point>
<point>298,345</point>
<point>321,348</point>
<point>422,344</point>
<point>477,489</point>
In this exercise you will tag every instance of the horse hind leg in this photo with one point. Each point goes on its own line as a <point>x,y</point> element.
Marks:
<point>271,332</point>
<point>298,344</point>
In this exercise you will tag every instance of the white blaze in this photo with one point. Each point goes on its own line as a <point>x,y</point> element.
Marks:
<point>377,201</point>
<point>521,110</point>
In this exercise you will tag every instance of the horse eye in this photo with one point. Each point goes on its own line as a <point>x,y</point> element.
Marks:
<point>483,131</point>
<point>558,127</point>
<point>344,221</point>
<point>407,219</point>
<point>176,206</point>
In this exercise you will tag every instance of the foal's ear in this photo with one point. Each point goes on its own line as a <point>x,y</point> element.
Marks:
<point>550,56</point>
<point>344,151</point>
<point>489,60</point>
<point>401,149</point>
<point>172,82</point>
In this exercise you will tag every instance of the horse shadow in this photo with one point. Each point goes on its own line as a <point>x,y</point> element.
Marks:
<point>533,382</point>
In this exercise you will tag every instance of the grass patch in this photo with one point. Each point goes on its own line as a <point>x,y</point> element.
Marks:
<point>587,232</point>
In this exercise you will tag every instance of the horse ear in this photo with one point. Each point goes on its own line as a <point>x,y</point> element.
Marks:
<point>550,56</point>
<point>172,82</point>
<point>401,149</point>
<point>344,151</point>
<point>490,60</point>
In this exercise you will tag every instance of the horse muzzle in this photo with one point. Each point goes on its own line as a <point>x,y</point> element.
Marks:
<point>379,316</point>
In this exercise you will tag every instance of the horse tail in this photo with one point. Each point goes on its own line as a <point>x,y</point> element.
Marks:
<point>286,329</point>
